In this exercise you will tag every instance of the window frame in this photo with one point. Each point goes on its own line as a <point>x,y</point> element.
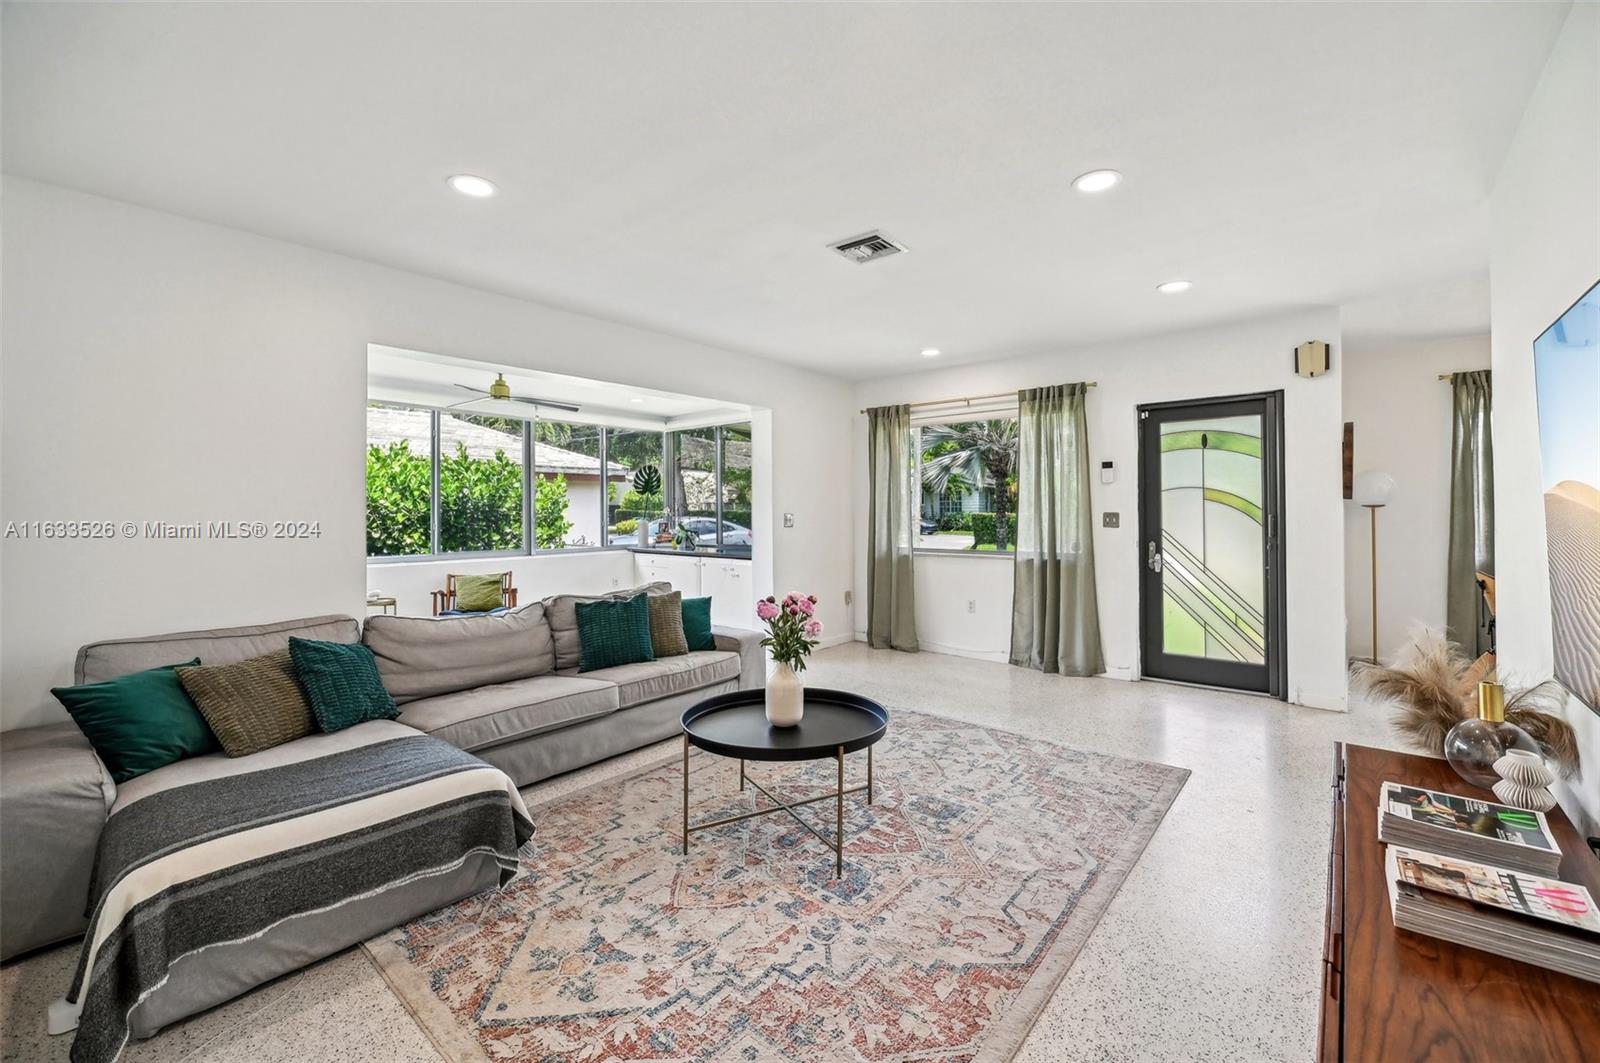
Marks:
<point>1009,411</point>
<point>530,475</point>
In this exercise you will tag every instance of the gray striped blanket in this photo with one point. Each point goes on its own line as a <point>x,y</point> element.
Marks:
<point>224,859</point>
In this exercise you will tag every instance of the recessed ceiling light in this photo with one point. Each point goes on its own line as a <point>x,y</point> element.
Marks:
<point>470,185</point>
<point>1097,181</point>
<point>1174,287</point>
<point>636,398</point>
<point>930,352</point>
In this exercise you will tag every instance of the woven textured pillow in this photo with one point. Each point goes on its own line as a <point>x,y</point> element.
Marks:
<point>666,625</point>
<point>614,632</point>
<point>479,594</point>
<point>138,722</point>
<point>697,624</point>
<point>251,705</point>
<point>342,683</point>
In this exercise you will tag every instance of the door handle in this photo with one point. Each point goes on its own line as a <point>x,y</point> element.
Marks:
<point>1152,557</point>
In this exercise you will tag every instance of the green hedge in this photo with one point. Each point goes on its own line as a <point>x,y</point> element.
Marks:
<point>983,529</point>
<point>957,521</point>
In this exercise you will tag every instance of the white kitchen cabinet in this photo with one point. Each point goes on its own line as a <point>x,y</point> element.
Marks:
<point>680,570</point>
<point>726,580</point>
<point>732,598</point>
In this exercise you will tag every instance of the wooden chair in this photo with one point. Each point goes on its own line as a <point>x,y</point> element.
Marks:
<point>444,601</point>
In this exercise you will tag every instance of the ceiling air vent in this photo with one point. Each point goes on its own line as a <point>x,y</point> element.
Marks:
<point>867,248</point>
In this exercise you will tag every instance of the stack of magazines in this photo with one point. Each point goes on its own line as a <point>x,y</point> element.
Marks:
<point>1467,828</point>
<point>1519,916</point>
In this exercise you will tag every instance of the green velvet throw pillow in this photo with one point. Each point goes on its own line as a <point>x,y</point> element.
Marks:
<point>342,683</point>
<point>614,631</point>
<point>697,624</point>
<point>479,594</point>
<point>139,722</point>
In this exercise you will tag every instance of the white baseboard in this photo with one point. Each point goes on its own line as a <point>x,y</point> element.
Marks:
<point>836,640</point>
<point>1327,702</point>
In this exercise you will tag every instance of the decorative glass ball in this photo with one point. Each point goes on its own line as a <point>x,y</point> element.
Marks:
<point>1472,747</point>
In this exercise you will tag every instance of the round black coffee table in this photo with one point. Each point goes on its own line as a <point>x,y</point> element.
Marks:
<point>735,725</point>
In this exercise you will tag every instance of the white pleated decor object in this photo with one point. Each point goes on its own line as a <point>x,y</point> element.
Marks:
<point>1524,781</point>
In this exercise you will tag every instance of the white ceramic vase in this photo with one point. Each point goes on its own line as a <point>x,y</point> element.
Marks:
<point>1524,781</point>
<point>786,697</point>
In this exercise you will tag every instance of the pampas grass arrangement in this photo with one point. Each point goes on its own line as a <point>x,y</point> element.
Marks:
<point>1434,687</point>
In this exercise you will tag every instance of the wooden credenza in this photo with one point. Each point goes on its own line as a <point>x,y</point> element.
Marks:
<point>1393,996</point>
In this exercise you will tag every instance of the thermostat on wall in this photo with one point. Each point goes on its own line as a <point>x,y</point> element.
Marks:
<point>1108,472</point>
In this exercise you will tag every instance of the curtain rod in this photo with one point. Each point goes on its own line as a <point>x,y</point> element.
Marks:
<point>970,399</point>
<point>1452,376</point>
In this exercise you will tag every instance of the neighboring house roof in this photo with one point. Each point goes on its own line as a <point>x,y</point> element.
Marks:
<point>386,426</point>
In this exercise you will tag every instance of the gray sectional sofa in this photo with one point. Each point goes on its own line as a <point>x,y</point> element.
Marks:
<point>505,688</point>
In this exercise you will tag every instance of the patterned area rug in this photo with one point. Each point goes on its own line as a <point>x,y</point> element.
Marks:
<point>970,884</point>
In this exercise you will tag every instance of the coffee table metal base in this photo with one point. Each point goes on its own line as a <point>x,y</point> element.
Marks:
<point>838,793</point>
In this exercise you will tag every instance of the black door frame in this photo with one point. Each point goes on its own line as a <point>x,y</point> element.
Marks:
<point>1195,670</point>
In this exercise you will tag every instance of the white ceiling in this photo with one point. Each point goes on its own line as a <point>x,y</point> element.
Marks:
<point>683,167</point>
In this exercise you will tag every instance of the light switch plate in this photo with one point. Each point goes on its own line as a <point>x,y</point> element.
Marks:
<point>788,520</point>
<point>1111,520</point>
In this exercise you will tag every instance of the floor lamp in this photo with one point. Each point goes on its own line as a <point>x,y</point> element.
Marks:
<point>1372,490</point>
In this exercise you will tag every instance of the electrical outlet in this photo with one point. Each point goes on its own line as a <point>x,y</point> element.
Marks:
<point>1111,520</point>
<point>788,520</point>
<point>972,605</point>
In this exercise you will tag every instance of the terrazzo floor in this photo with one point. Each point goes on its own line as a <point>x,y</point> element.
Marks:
<point>1210,951</point>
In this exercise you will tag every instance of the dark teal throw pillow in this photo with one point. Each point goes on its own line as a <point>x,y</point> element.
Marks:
<point>614,631</point>
<point>697,624</point>
<point>139,722</point>
<point>342,683</point>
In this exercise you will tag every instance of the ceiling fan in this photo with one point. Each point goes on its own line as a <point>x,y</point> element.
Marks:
<point>502,391</point>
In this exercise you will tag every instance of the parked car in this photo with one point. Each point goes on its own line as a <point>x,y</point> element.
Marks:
<point>704,530</point>
<point>929,526</point>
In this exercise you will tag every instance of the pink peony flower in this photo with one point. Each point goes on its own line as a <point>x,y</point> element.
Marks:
<point>806,606</point>
<point>766,610</point>
<point>813,629</point>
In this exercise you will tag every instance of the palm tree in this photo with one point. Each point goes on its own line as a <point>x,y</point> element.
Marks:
<point>978,452</point>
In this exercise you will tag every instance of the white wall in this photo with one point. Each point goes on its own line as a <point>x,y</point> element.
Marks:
<point>1249,357</point>
<point>158,368</point>
<point>1544,253</point>
<point>1402,414</point>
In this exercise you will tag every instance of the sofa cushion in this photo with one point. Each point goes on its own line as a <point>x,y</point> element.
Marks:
<point>562,613</point>
<point>342,683</point>
<point>251,705</point>
<point>139,722</point>
<point>614,632</point>
<point>421,657</point>
<point>666,625</point>
<point>100,661</point>
<point>652,680</point>
<point>697,624</point>
<point>488,715</point>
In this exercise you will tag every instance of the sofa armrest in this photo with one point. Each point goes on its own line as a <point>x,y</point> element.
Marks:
<point>54,796</point>
<point>752,658</point>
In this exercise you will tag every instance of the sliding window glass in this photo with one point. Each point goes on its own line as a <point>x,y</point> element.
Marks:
<point>569,502</point>
<point>399,481</point>
<point>480,484</point>
<point>694,489</point>
<point>736,489</point>
<point>635,510</point>
<point>969,485</point>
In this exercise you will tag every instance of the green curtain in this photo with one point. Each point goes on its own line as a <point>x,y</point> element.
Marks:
<point>892,528</point>
<point>1471,509</point>
<point>1055,619</point>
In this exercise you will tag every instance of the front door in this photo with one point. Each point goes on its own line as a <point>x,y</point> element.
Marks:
<point>1211,542</point>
